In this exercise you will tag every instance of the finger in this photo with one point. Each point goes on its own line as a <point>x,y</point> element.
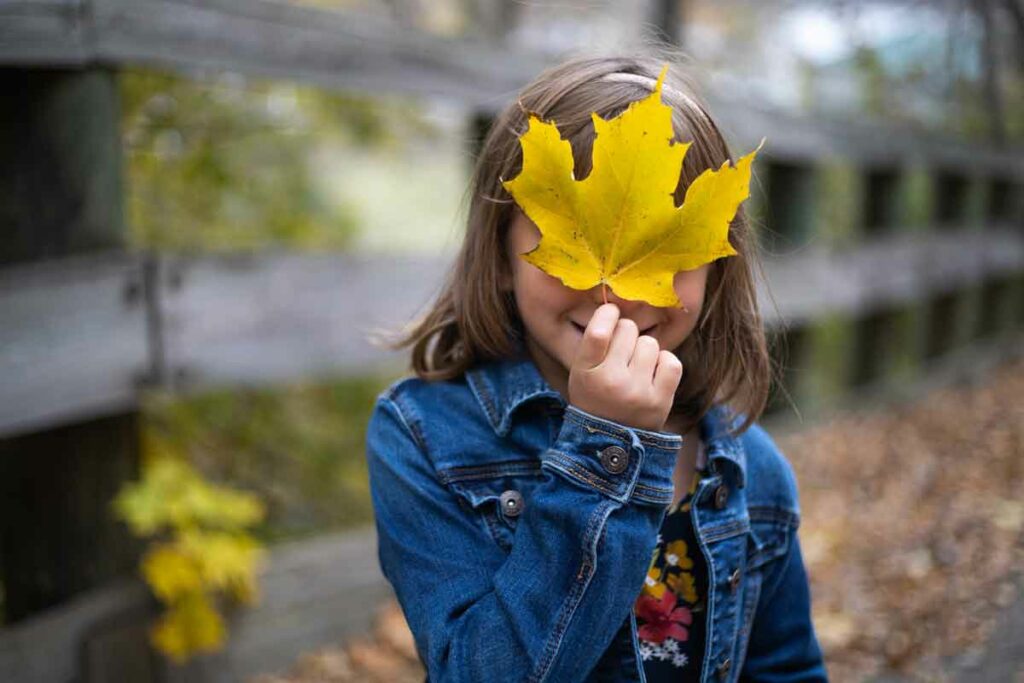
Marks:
<point>597,336</point>
<point>623,343</point>
<point>645,358</point>
<point>668,373</point>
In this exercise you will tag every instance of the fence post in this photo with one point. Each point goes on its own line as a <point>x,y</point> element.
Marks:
<point>61,193</point>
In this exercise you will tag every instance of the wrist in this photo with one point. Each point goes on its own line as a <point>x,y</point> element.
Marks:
<point>622,462</point>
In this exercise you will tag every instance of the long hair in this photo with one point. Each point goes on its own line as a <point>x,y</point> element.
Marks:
<point>473,320</point>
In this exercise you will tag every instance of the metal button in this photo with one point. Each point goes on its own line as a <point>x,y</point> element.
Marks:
<point>734,580</point>
<point>721,496</point>
<point>512,503</point>
<point>723,668</point>
<point>614,459</point>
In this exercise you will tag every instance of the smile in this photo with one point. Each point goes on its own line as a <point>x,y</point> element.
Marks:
<point>580,328</point>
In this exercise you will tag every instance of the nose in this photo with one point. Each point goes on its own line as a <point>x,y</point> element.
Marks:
<point>626,306</point>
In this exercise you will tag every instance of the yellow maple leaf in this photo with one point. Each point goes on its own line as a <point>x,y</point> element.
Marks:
<point>619,226</point>
<point>190,625</point>
<point>171,572</point>
<point>226,560</point>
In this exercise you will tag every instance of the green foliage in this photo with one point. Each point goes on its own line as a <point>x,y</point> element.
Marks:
<point>224,163</point>
<point>299,447</point>
<point>874,82</point>
<point>917,198</point>
<point>840,212</point>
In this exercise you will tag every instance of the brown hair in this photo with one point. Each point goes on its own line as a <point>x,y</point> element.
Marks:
<point>473,320</point>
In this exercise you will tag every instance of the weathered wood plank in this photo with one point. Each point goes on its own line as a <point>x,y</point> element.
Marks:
<point>72,339</point>
<point>886,271</point>
<point>349,50</point>
<point>277,316</point>
<point>45,647</point>
<point>314,591</point>
<point>280,316</point>
<point>809,139</point>
<point>331,48</point>
<point>343,49</point>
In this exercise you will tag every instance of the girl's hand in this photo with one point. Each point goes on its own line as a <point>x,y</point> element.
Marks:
<point>622,376</point>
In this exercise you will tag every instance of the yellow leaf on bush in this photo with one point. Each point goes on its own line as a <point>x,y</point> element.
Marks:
<point>208,550</point>
<point>173,494</point>
<point>226,561</point>
<point>190,625</point>
<point>619,226</point>
<point>171,573</point>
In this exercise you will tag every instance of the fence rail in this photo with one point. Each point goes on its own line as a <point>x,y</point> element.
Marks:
<point>314,592</point>
<point>331,48</point>
<point>82,336</point>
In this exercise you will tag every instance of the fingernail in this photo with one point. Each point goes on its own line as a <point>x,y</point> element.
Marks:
<point>603,318</point>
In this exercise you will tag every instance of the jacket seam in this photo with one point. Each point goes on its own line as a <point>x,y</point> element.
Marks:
<point>483,396</point>
<point>589,422</point>
<point>393,400</point>
<point>772,513</point>
<point>575,596</point>
<point>497,469</point>
<point>728,530</point>
<point>579,472</point>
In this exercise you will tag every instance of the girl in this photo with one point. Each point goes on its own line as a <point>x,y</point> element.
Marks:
<point>573,490</point>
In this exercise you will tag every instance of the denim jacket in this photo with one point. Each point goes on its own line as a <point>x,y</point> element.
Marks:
<point>517,530</point>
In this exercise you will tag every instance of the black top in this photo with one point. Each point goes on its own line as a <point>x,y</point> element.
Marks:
<point>671,609</point>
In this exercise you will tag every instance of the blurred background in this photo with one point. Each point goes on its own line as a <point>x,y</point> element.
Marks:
<point>206,207</point>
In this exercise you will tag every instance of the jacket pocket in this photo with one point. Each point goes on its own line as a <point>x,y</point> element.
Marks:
<point>497,492</point>
<point>769,535</point>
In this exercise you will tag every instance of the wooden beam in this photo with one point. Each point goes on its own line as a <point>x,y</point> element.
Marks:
<point>335,49</point>
<point>278,316</point>
<point>346,50</point>
<point>313,592</point>
<point>810,139</point>
<point>74,340</point>
<point>60,160</point>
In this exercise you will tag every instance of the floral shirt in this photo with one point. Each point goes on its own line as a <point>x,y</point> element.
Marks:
<point>670,610</point>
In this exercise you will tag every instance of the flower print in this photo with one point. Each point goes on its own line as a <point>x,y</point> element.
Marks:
<point>666,651</point>
<point>652,583</point>
<point>662,618</point>
<point>682,583</point>
<point>677,556</point>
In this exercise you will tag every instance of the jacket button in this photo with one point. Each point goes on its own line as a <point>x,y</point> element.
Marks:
<point>512,503</point>
<point>614,459</point>
<point>723,669</point>
<point>734,580</point>
<point>721,496</point>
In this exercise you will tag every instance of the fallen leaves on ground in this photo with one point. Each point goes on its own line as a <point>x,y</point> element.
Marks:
<point>387,655</point>
<point>912,527</point>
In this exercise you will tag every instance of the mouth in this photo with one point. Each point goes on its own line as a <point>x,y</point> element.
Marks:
<point>581,328</point>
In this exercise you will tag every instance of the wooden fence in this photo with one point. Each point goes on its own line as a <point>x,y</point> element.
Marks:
<point>896,251</point>
<point>81,336</point>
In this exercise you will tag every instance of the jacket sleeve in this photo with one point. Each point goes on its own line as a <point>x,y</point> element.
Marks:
<point>783,647</point>
<point>549,609</point>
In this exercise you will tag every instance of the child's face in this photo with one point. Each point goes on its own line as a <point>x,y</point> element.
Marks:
<point>554,315</point>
